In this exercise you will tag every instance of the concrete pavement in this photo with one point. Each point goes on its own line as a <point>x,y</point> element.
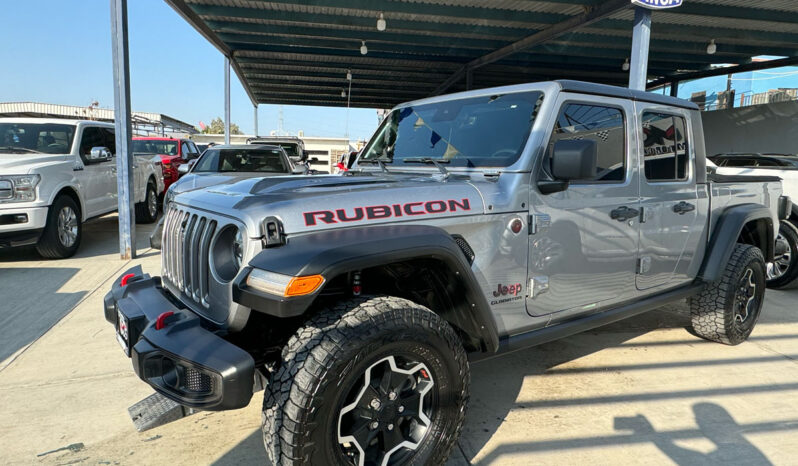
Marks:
<point>642,391</point>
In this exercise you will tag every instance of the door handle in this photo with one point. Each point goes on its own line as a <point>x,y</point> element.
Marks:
<point>624,213</point>
<point>683,207</point>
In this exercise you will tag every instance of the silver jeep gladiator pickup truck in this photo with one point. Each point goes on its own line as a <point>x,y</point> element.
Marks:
<point>472,224</point>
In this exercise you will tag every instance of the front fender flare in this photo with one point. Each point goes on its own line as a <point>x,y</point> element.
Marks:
<point>332,253</point>
<point>724,238</point>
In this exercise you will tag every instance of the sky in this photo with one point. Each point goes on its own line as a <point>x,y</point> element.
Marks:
<point>58,51</point>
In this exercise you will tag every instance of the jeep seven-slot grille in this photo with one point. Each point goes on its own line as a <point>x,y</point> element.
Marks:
<point>186,241</point>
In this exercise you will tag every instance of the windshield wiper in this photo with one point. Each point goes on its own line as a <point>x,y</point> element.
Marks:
<point>430,161</point>
<point>17,148</point>
<point>379,162</point>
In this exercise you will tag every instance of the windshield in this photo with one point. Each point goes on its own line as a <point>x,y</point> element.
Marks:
<point>291,150</point>
<point>47,138</point>
<point>155,147</point>
<point>241,160</point>
<point>487,131</point>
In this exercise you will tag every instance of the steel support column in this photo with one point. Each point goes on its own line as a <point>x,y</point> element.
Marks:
<point>638,72</point>
<point>226,100</point>
<point>255,114</point>
<point>124,166</point>
<point>469,79</point>
<point>675,89</point>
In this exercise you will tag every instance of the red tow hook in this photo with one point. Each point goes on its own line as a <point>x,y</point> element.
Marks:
<point>126,278</point>
<point>160,322</point>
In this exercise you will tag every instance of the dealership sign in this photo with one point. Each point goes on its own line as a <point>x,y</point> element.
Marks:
<point>658,4</point>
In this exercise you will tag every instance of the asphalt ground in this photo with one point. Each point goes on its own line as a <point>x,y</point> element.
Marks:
<point>641,391</point>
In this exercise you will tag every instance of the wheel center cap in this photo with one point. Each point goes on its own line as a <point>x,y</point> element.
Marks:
<point>387,413</point>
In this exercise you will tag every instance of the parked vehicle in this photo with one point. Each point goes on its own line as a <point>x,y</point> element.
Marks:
<point>173,153</point>
<point>224,165</point>
<point>783,271</point>
<point>471,224</point>
<point>292,145</point>
<point>56,174</point>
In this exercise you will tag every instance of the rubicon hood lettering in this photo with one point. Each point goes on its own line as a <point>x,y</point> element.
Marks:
<point>385,211</point>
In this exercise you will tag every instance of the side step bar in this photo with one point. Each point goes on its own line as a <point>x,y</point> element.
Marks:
<point>582,324</point>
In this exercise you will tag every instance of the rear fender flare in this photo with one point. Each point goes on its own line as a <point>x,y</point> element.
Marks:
<point>725,234</point>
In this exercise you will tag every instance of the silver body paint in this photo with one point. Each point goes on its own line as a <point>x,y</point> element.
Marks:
<point>579,260</point>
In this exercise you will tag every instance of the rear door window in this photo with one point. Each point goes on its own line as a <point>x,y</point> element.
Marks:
<point>665,147</point>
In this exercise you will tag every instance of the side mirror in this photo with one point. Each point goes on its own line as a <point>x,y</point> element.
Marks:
<point>313,160</point>
<point>570,160</point>
<point>99,154</point>
<point>183,168</point>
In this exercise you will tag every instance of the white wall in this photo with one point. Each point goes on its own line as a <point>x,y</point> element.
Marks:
<point>760,128</point>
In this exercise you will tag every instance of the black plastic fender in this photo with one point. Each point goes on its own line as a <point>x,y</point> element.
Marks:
<point>724,237</point>
<point>331,253</point>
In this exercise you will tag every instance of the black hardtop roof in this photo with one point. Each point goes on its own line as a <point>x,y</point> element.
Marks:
<point>582,87</point>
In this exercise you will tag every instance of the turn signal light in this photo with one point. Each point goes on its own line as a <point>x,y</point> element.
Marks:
<point>283,285</point>
<point>300,286</point>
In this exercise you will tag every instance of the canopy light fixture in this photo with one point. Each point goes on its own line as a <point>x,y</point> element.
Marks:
<point>343,92</point>
<point>712,47</point>
<point>626,65</point>
<point>348,75</point>
<point>363,49</point>
<point>381,25</point>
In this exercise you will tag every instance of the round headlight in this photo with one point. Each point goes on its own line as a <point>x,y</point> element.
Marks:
<point>238,249</point>
<point>227,252</point>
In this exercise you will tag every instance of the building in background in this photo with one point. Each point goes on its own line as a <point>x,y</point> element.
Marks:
<point>144,123</point>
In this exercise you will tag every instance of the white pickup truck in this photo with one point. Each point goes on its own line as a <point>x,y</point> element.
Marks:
<point>55,174</point>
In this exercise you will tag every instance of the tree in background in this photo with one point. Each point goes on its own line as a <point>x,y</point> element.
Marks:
<point>217,127</point>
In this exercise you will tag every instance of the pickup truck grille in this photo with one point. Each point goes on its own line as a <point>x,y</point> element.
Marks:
<point>185,260</point>
<point>6,189</point>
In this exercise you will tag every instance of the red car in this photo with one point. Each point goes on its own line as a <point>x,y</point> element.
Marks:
<point>173,152</point>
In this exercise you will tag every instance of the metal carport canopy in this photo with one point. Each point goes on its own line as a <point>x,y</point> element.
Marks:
<point>298,52</point>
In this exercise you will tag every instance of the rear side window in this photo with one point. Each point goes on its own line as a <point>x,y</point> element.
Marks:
<point>605,126</point>
<point>665,147</point>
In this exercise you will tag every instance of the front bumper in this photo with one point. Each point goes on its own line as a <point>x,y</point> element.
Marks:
<point>181,357</point>
<point>14,220</point>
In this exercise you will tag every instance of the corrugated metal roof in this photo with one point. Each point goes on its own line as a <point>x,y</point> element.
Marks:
<point>298,51</point>
<point>39,109</point>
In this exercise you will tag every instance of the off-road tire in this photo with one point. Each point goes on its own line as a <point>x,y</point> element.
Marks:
<point>788,280</point>
<point>143,213</point>
<point>49,245</point>
<point>329,353</point>
<point>713,312</point>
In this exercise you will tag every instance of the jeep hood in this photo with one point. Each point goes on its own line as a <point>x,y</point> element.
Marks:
<point>314,203</point>
<point>192,181</point>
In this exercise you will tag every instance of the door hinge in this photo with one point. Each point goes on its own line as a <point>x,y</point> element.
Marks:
<point>538,285</point>
<point>643,265</point>
<point>538,223</point>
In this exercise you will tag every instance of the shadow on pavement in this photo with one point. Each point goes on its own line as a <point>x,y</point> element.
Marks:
<point>249,452</point>
<point>715,424</point>
<point>31,304</point>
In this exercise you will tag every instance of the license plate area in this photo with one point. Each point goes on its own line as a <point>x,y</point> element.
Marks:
<point>123,332</point>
